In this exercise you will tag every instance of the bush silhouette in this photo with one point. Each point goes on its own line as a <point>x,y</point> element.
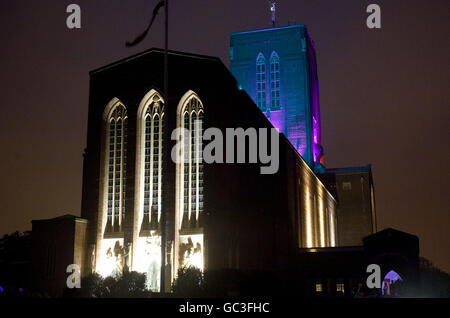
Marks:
<point>189,283</point>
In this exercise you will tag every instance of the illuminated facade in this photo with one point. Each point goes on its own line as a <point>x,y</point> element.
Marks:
<point>277,68</point>
<point>218,215</point>
<point>142,252</point>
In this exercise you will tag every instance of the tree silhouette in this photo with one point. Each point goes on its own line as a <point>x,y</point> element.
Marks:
<point>126,285</point>
<point>189,282</point>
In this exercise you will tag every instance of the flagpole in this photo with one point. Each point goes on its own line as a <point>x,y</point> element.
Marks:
<point>165,158</point>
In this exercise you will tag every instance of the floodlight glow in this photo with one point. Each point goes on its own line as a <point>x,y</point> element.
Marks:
<point>321,223</point>
<point>308,220</point>
<point>111,257</point>
<point>148,260</point>
<point>191,251</point>
<point>332,229</point>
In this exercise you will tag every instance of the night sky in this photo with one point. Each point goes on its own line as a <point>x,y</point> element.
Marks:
<point>384,96</point>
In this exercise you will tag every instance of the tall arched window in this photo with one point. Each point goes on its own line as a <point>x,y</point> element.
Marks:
<point>116,159</point>
<point>151,158</point>
<point>274,81</point>
<point>192,175</point>
<point>261,82</point>
<point>148,180</point>
<point>189,209</point>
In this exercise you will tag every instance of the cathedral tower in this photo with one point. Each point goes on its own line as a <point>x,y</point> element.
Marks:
<point>278,70</point>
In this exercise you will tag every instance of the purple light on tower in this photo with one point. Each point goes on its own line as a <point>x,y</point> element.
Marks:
<point>276,118</point>
<point>316,136</point>
<point>288,83</point>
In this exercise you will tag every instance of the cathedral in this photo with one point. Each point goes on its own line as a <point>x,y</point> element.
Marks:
<point>219,215</point>
<point>216,215</point>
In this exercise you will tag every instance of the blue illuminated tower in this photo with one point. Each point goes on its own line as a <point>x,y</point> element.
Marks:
<point>278,70</point>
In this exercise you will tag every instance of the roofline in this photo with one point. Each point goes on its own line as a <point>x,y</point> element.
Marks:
<point>389,230</point>
<point>62,217</point>
<point>152,50</point>
<point>366,168</point>
<point>309,168</point>
<point>299,156</point>
<point>336,249</point>
<point>270,29</point>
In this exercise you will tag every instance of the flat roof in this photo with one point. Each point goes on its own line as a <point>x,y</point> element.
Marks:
<point>294,26</point>
<point>365,168</point>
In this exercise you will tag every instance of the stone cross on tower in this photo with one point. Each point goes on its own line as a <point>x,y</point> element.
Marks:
<point>272,9</point>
